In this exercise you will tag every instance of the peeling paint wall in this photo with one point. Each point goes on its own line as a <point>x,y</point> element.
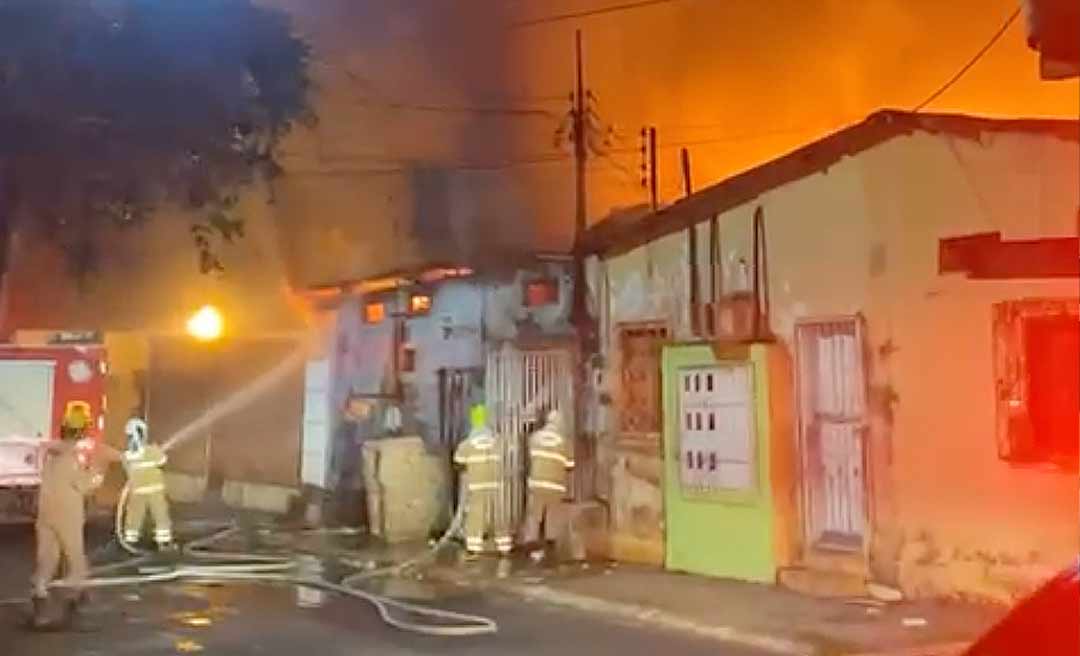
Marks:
<point>966,521</point>
<point>862,239</point>
<point>648,284</point>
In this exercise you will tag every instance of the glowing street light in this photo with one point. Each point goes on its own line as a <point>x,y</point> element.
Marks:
<point>207,324</point>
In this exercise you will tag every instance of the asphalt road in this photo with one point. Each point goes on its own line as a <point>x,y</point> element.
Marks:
<point>269,621</point>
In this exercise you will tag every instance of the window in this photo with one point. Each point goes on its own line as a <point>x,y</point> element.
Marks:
<point>639,407</point>
<point>717,439</point>
<point>1036,350</point>
<point>419,304</point>
<point>374,312</point>
<point>541,292</point>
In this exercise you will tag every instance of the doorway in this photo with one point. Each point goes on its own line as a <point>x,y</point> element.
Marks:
<point>831,391</point>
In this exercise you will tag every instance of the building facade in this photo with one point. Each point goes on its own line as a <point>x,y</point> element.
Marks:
<point>415,349</point>
<point>919,275</point>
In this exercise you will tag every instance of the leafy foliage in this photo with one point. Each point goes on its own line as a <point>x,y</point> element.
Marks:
<point>110,109</point>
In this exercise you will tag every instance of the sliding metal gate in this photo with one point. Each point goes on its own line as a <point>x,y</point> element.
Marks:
<point>519,384</point>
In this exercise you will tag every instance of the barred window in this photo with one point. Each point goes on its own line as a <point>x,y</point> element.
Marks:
<point>639,398</point>
<point>1036,350</point>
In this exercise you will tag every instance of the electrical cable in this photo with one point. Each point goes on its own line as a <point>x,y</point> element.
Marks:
<point>225,567</point>
<point>974,60</point>
<point>591,12</point>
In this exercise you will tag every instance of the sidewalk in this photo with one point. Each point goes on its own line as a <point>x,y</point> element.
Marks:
<point>758,616</point>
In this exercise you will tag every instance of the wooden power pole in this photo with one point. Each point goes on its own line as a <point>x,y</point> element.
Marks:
<point>580,123</point>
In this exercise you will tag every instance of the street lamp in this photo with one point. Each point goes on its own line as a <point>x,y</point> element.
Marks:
<point>207,324</point>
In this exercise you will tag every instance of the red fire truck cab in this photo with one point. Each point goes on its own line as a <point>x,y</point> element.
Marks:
<point>38,385</point>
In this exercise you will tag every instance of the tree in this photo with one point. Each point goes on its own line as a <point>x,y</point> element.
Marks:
<point>111,109</point>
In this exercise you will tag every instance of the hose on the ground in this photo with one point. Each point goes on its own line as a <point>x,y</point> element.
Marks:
<point>451,532</point>
<point>262,568</point>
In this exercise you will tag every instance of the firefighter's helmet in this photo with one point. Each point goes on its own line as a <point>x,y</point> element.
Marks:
<point>77,415</point>
<point>136,431</point>
<point>478,416</point>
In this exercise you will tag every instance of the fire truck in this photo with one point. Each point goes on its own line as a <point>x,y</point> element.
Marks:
<point>39,384</point>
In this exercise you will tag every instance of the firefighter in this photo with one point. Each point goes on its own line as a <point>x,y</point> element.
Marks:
<point>479,456</point>
<point>143,462</point>
<point>550,459</point>
<point>65,484</point>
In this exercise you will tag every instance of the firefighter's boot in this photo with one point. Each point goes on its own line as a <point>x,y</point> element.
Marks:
<point>75,616</point>
<point>39,619</point>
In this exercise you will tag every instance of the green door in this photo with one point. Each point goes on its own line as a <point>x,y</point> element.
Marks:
<point>719,507</point>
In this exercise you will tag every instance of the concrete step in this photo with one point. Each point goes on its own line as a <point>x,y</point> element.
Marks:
<point>835,560</point>
<point>827,584</point>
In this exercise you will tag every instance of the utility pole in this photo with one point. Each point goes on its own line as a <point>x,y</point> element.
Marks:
<point>579,117</point>
<point>654,195</point>
<point>579,314</point>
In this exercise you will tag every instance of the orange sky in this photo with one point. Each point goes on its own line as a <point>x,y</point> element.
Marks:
<point>744,81</point>
<point>741,80</point>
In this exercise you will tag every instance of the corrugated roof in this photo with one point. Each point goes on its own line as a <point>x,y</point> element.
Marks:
<point>623,233</point>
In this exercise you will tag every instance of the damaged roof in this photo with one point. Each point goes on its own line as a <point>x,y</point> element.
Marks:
<point>619,234</point>
<point>434,273</point>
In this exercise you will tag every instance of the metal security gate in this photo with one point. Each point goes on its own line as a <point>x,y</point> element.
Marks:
<point>832,425</point>
<point>459,389</point>
<point>519,384</point>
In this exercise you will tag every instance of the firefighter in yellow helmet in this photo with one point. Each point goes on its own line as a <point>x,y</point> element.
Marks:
<point>550,459</point>
<point>479,456</point>
<point>143,462</point>
<point>61,515</point>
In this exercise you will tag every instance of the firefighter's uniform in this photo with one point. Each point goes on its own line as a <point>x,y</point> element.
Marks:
<point>479,455</point>
<point>142,463</point>
<point>61,515</point>
<point>550,458</point>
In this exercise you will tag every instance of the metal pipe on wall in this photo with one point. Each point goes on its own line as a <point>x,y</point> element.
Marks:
<point>692,245</point>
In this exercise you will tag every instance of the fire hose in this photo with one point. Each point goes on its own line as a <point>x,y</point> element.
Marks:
<point>229,567</point>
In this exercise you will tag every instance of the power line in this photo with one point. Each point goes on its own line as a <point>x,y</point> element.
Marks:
<point>457,109</point>
<point>592,12</point>
<point>400,165</point>
<point>730,138</point>
<point>974,60</point>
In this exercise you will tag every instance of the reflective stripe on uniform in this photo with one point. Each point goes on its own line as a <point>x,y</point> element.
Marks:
<point>468,460</point>
<point>149,489</point>
<point>546,438</point>
<point>546,485</point>
<point>551,455</point>
<point>475,487</point>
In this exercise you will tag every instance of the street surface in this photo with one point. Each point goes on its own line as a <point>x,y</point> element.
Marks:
<point>269,621</point>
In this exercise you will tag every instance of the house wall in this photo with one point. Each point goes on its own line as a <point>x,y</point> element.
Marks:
<point>861,238</point>
<point>647,284</point>
<point>466,316</point>
<point>966,520</point>
<point>651,283</point>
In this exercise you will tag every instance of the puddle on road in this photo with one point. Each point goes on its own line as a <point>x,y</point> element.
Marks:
<point>188,647</point>
<point>204,617</point>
